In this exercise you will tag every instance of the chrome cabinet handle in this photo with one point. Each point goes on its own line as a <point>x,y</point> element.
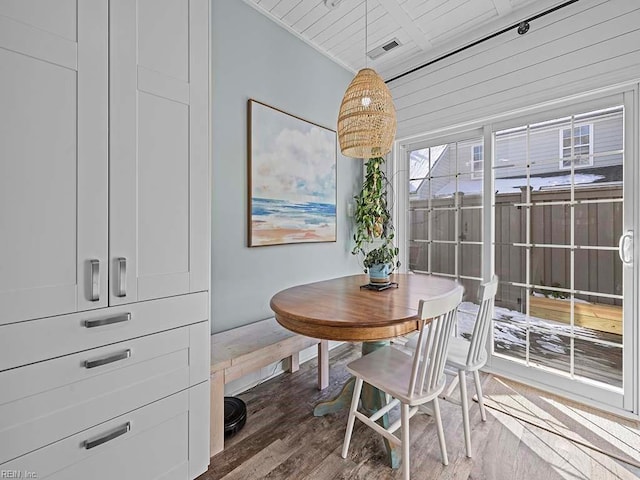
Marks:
<point>115,433</point>
<point>99,322</point>
<point>98,362</point>
<point>95,280</point>
<point>122,277</point>
<point>622,247</point>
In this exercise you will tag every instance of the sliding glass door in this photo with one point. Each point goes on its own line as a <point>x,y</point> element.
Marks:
<point>559,234</point>
<point>561,244</point>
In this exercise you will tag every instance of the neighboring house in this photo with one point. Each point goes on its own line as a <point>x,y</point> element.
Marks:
<point>597,146</point>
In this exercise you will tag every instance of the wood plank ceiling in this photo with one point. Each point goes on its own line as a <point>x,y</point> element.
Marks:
<point>425,28</point>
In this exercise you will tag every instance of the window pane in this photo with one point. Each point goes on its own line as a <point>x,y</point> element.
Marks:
<point>443,223</point>
<point>470,188</point>
<point>598,271</point>
<point>510,338</point>
<point>468,309</point>
<point>511,148</point>
<point>510,221</point>
<point>420,189</point>
<point>470,298</point>
<point>549,349</point>
<point>510,299</point>
<point>598,224</point>
<point>511,263</point>
<point>551,224</point>
<point>543,145</point>
<point>471,224</point>
<point>443,258</point>
<point>420,162</point>
<point>551,267</point>
<point>599,318</point>
<point>444,160</point>
<point>470,260</point>
<point>418,256</point>
<point>602,363</point>
<point>418,222</point>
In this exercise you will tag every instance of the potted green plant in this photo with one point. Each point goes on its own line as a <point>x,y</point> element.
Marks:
<point>374,229</point>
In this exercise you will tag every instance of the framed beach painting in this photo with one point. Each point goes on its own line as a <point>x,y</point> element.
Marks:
<point>292,179</point>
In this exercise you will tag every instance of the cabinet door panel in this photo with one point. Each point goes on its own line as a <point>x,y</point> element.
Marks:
<point>163,186</point>
<point>53,134</point>
<point>60,21</point>
<point>159,146</point>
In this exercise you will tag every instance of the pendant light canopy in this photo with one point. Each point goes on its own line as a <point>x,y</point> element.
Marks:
<point>367,118</point>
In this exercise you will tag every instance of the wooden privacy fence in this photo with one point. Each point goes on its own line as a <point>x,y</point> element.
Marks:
<point>596,224</point>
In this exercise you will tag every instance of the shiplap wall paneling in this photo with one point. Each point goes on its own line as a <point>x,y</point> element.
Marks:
<point>587,45</point>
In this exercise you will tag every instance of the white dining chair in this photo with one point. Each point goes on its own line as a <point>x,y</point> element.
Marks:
<point>470,356</point>
<point>408,380</point>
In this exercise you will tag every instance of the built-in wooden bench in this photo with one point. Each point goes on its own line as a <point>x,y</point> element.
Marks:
<point>244,350</point>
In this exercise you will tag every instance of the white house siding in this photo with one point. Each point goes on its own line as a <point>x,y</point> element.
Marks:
<point>587,45</point>
<point>607,131</point>
<point>511,155</point>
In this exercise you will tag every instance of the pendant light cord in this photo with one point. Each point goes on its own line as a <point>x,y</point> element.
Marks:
<point>366,33</point>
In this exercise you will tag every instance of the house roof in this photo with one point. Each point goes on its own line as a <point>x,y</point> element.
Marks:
<point>542,181</point>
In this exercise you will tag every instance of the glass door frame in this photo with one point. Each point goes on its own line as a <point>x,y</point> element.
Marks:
<point>627,403</point>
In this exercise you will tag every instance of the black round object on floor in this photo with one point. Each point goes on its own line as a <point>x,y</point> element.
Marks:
<point>235,415</point>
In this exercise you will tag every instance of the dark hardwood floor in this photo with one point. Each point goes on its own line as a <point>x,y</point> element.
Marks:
<point>283,440</point>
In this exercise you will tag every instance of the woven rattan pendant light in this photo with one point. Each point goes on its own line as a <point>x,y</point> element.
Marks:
<point>367,118</point>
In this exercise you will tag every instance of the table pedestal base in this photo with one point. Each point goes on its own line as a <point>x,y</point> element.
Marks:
<point>371,401</point>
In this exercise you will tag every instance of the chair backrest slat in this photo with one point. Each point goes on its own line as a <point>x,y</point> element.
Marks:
<point>430,355</point>
<point>486,295</point>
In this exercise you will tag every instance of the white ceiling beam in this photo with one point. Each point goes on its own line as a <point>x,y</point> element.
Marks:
<point>503,7</point>
<point>395,11</point>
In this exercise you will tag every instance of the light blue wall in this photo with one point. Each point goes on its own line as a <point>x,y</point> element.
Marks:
<point>252,57</point>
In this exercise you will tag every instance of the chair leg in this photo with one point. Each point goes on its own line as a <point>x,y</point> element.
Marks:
<point>404,418</point>
<point>443,446</point>
<point>352,416</point>
<point>465,410</point>
<point>483,412</point>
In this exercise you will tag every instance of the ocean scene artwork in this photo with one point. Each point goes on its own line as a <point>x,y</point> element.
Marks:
<point>292,187</point>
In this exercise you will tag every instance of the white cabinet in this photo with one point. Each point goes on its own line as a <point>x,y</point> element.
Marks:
<point>104,172</point>
<point>158,144</point>
<point>104,238</point>
<point>54,157</point>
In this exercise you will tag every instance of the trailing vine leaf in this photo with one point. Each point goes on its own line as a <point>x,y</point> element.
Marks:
<point>373,238</point>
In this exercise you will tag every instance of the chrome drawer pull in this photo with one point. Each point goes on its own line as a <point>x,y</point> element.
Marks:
<point>89,444</point>
<point>108,359</point>
<point>95,280</point>
<point>122,277</point>
<point>99,322</point>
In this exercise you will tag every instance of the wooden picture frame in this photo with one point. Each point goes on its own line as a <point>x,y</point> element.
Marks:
<point>292,165</point>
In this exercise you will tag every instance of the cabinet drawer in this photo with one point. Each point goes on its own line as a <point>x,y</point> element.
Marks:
<point>151,442</point>
<point>44,402</point>
<point>36,340</point>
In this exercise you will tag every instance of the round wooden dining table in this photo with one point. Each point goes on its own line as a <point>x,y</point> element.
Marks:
<point>343,309</point>
<point>339,309</point>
